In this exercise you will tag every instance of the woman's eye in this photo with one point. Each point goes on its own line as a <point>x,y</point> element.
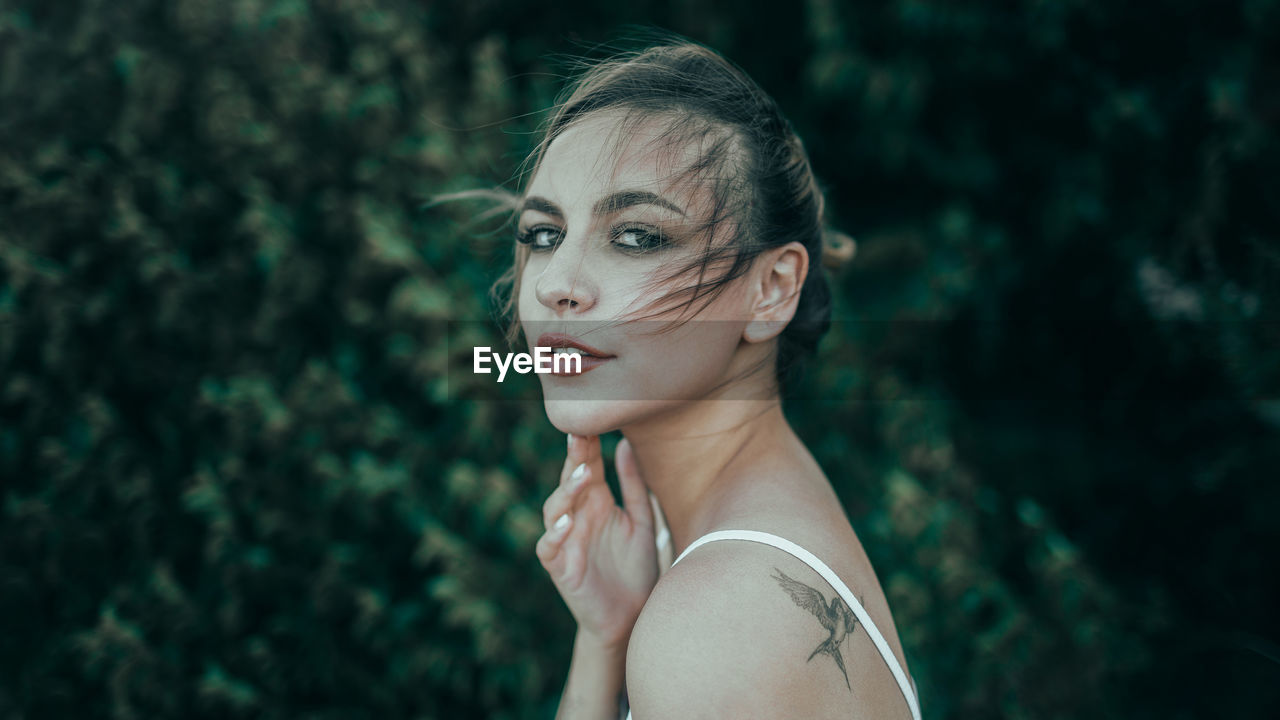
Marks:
<point>539,238</point>
<point>629,239</point>
<point>638,239</point>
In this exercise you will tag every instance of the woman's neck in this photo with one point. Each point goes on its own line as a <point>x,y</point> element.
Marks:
<point>693,458</point>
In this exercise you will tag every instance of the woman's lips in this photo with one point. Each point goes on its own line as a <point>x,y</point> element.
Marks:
<point>588,363</point>
<point>590,357</point>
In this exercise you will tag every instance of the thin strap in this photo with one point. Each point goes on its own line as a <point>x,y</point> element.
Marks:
<point>834,580</point>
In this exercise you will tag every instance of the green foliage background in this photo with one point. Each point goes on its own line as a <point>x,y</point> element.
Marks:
<point>236,482</point>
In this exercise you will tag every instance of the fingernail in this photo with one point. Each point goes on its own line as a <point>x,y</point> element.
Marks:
<point>579,473</point>
<point>562,523</point>
<point>664,537</point>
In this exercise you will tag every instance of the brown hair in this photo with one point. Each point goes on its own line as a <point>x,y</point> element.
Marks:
<point>752,160</point>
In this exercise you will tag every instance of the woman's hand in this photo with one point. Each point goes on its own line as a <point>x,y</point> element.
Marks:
<point>601,557</point>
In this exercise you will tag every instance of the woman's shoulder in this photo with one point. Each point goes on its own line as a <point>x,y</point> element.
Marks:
<point>741,626</point>
<point>710,634</point>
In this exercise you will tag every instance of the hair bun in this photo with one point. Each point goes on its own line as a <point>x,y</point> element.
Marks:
<point>837,249</point>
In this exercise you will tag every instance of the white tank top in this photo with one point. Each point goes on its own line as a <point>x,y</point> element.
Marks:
<point>808,558</point>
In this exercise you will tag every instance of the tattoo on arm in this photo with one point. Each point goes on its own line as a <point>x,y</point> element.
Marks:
<point>836,617</point>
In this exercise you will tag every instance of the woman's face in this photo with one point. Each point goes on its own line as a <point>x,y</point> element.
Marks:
<point>603,220</point>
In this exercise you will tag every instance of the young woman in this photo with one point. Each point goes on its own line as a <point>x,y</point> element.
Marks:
<point>671,232</point>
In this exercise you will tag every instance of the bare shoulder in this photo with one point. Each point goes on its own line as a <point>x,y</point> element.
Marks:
<point>742,630</point>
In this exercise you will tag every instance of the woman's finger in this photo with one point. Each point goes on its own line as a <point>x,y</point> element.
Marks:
<point>635,495</point>
<point>564,498</point>
<point>571,456</point>
<point>582,449</point>
<point>586,449</point>
<point>661,535</point>
<point>548,547</point>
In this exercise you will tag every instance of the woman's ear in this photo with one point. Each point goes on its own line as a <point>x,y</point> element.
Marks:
<point>777,280</point>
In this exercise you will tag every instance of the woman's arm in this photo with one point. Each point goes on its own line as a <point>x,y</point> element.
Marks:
<point>603,561</point>
<point>594,688</point>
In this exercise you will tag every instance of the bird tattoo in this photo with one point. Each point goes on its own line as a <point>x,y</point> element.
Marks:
<point>836,617</point>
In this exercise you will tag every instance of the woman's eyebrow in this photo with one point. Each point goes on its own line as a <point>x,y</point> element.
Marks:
<point>627,198</point>
<point>609,204</point>
<point>542,205</point>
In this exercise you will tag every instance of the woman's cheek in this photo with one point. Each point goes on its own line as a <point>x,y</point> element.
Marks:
<point>682,365</point>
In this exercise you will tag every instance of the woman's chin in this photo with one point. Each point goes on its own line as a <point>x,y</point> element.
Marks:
<point>583,417</point>
<point>597,417</point>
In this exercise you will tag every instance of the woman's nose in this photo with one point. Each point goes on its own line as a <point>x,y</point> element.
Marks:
<point>565,284</point>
